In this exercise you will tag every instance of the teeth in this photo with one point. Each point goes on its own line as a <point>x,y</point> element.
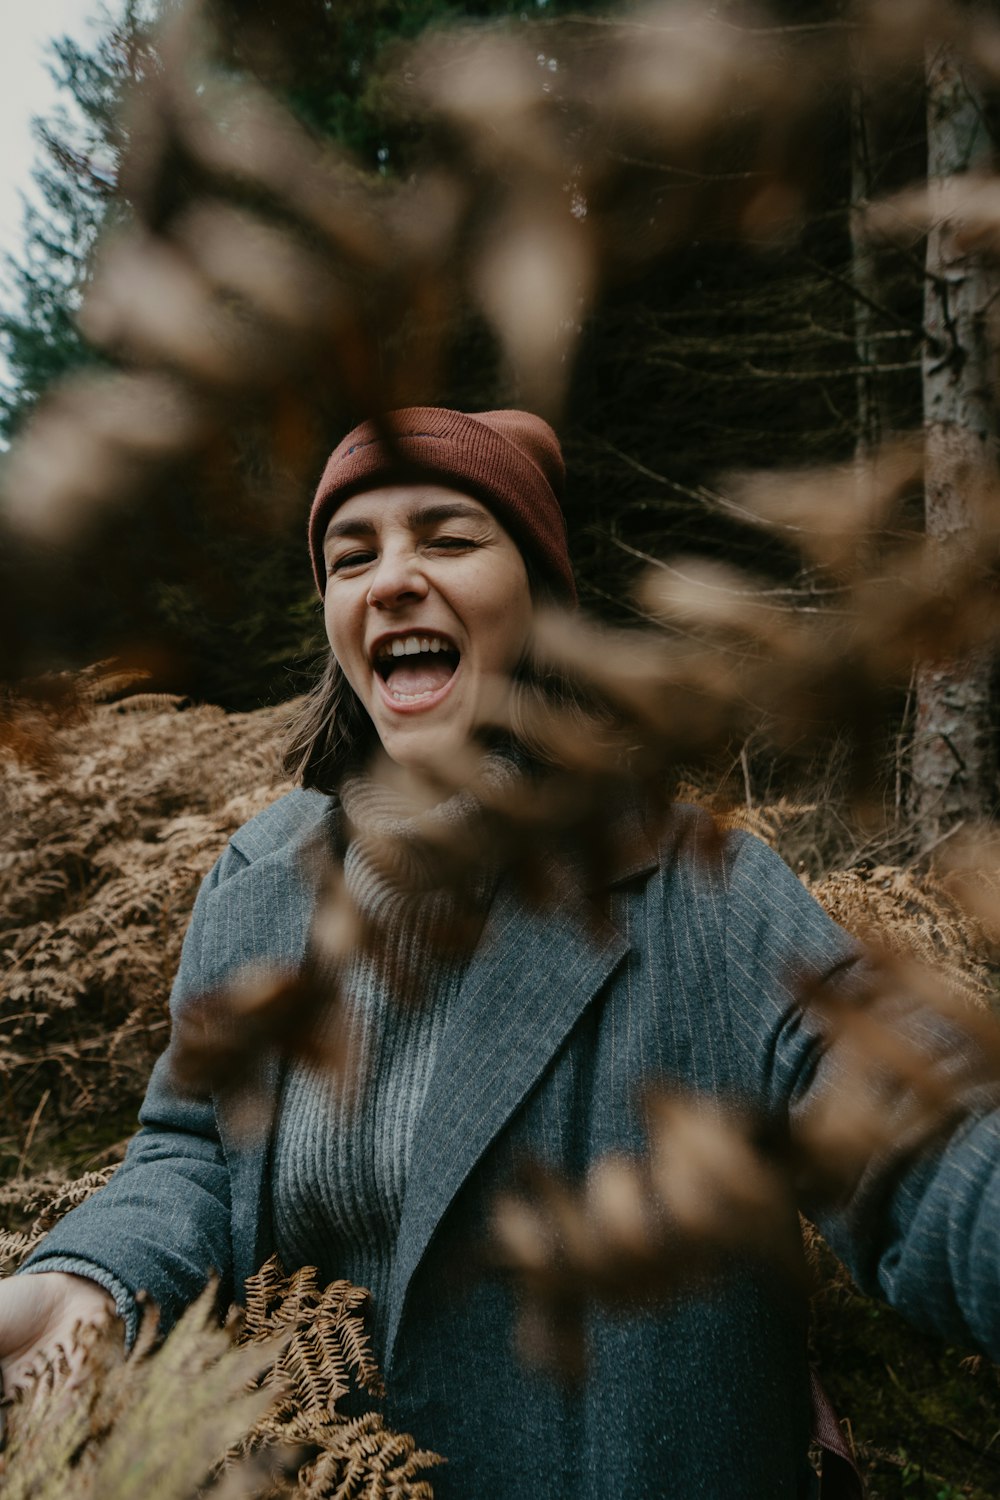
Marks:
<point>411,645</point>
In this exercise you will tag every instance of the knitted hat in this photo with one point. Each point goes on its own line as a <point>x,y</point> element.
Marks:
<point>510,460</point>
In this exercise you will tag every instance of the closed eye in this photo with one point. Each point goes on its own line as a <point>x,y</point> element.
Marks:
<point>452,543</point>
<point>349,560</point>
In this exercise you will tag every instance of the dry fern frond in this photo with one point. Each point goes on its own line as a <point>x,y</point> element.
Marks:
<point>765,820</point>
<point>96,886</point>
<point>39,1203</point>
<point>155,703</point>
<point>37,717</point>
<point>219,1038</point>
<point>331,1348</point>
<point>229,1411</point>
<point>969,204</point>
<point>326,1355</point>
<point>360,1458</point>
<point>74,1193</point>
<point>915,915</point>
<point>903,1057</point>
<point>31,718</point>
<point>968,869</point>
<point>15,1246</point>
<point>104,681</point>
<point>834,513</point>
<point>156,1424</point>
<point>234,205</point>
<point>304,1347</point>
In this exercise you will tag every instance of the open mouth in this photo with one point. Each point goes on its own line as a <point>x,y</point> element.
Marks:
<point>416,668</point>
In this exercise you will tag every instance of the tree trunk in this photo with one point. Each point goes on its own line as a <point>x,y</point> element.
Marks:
<point>953,769</point>
<point>863,275</point>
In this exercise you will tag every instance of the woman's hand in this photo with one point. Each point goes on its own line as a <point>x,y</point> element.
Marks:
<point>38,1314</point>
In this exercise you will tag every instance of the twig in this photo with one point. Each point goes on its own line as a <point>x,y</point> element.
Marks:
<point>902,325</point>
<point>745,763</point>
<point>32,1127</point>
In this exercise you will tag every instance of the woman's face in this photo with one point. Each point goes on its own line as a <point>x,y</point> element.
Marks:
<point>427,602</point>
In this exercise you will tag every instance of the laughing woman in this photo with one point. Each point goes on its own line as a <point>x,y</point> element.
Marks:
<point>534,1046</point>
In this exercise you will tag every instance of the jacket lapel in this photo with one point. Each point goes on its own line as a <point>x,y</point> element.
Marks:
<point>530,979</point>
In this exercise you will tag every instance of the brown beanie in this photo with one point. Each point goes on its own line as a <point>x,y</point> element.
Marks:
<point>510,460</point>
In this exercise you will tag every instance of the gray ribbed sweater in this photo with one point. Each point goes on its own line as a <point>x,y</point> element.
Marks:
<point>342,1146</point>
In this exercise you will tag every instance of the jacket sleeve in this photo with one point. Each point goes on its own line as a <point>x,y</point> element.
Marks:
<point>162,1223</point>
<point>921,1227</point>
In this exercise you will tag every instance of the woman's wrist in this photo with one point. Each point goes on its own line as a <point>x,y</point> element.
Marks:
<point>80,1291</point>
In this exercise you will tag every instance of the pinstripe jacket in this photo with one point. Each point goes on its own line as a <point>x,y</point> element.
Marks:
<point>556,1029</point>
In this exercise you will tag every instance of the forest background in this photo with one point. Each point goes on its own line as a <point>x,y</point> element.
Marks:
<point>722,356</point>
<point>804,344</point>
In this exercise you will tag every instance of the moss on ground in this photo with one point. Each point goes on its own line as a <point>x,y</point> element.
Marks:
<point>925,1417</point>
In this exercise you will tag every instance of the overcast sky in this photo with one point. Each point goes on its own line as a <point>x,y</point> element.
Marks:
<point>26,90</point>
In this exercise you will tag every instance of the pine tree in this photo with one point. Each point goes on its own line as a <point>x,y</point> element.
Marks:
<point>954,748</point>
<point>79,149</point>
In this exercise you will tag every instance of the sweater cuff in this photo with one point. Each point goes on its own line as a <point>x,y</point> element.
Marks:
<point>125,1303</point>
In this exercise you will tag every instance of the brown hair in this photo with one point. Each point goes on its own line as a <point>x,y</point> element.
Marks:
<point>329,734</point>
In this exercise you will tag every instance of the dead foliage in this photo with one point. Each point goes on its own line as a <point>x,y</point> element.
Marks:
<point>640,1229</point>
<point>914,915</point>
<point>721,662</point>
<point>31,1206</point>
<point>113,1425</point>
<point>256,1399</point>
<point>36,714</point>
<point>709,1186</point>
<point>326,1357</point>
<point>98,884</point>
<point>258,265</point>
<point>98,871</point>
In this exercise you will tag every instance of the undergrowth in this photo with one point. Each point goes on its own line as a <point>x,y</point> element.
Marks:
<point>925,1417</point>
<point>100,859</point>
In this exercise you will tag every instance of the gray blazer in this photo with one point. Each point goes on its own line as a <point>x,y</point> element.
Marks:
<point>557,1029</point>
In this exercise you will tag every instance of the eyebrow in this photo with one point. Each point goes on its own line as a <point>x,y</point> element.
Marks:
<point>422,515</point>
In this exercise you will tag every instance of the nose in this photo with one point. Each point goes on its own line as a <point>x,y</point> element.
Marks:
<point>398,579</point>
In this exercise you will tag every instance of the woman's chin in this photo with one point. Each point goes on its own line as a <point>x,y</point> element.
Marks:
<point>421,745</point>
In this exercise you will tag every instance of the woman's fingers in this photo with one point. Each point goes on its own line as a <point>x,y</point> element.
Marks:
<point>39,1314</point>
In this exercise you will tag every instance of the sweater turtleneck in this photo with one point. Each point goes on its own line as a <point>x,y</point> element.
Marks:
<point>343,1145</point>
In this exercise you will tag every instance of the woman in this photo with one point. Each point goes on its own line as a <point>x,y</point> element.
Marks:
<point>430,553</point>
